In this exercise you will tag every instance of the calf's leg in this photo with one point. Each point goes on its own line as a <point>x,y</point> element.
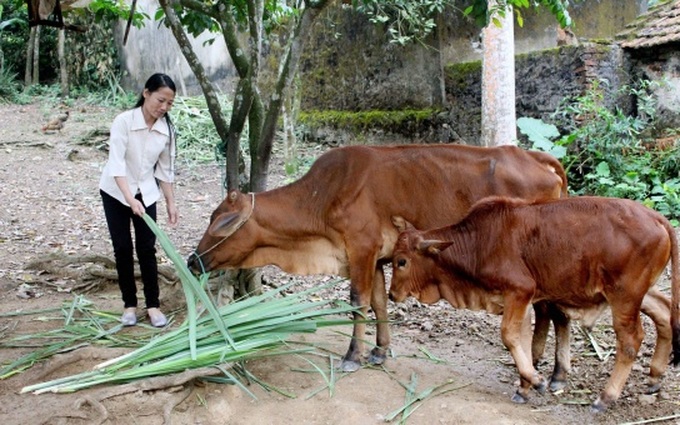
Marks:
<point>658,308</point>
<point>629,335</point>
<point>546,312</point>
<point>514,314</point>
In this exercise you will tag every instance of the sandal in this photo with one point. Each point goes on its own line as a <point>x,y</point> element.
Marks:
<point>158,319</point>
<point>129,317</point>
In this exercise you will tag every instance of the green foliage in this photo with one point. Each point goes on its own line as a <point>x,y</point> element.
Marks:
<point>540,134</point>
<point>610,153</point>
<point>196,23</point>
<point>14,32</point>
<point>109,95</point>
<point>406,20</point>
<point>480,12</point>
<point>410,21</point>
<point>111,11</point>
<point>9,87</point>
<point>93,57</point>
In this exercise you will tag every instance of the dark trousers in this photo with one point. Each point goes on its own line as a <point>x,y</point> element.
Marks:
<point>118,217</point>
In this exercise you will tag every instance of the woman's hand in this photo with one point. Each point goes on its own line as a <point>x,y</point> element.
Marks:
<point>137,207</point>
<point>173,215</point>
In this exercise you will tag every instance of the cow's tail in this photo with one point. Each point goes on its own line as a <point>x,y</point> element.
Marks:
<point>559,170</point>
<point>675,292</point>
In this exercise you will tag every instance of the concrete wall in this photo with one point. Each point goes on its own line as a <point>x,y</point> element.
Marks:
<point>594,19</point>
<point>153,48</point>
<point>349,65</point>
<point>662,65</point>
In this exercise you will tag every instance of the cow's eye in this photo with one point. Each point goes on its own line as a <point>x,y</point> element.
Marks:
<point>401,262</point>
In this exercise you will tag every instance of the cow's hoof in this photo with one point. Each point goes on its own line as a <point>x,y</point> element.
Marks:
<point>598,406</point>
<point>557,385</point>
<point>377,357</point>
<point>541,386</point>
<point>653,388</point>
<point>518,398</point>
<point>350,366</point>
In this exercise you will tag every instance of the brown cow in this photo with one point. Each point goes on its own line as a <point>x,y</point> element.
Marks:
<point>576,253</point>
<point>337,218</point>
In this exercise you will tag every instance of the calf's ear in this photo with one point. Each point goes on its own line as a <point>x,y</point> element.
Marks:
<point>225,224</point>
<point>400,223</point>
<point>433,246</point>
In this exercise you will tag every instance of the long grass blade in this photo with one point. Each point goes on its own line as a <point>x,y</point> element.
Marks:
<point>187,277</point>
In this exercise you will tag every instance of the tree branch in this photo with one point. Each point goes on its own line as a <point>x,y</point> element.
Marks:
<point>209,91</point>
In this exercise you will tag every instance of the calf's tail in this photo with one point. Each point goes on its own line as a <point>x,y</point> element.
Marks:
<point>675,292</point>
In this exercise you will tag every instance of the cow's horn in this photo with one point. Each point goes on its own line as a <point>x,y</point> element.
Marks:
<point>433,246</point>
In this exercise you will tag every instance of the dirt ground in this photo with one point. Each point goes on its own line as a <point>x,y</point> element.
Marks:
<point>50,204</point>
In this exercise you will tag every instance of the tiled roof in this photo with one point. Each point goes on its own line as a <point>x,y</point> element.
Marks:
<point>659,25</point>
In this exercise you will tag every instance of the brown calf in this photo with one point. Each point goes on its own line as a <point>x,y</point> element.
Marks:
<point>577,254</point>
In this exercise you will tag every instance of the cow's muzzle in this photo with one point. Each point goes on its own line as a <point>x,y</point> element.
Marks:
<point>195,264</point>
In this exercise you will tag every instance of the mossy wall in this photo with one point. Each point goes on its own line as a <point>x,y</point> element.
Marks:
<point>350,66</point>
<point>543,80</point>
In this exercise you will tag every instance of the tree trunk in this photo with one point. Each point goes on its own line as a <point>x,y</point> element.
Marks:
<point>287,71</point>
<point>36,57</point>
<point>29,58</point>
<point>289,113</point>
<point>62,63</point>
<point>498,81</point>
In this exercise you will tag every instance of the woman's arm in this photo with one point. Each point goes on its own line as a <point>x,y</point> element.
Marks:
<point>169,193</point>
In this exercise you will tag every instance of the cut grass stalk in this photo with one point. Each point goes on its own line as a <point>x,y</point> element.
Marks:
<point>266,325</point>
<point>254,327</point>
<point>84,326</point>
<point>413,400</point>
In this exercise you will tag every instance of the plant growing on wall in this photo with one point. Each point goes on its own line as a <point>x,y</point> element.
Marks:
<point>607,152</point>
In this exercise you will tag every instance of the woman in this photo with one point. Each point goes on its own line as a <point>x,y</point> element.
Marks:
<point>141,160</point>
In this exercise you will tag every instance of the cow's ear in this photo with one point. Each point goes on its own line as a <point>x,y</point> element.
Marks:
<point>401,224</point>
<point>433,246</point>
<point>224,224</point>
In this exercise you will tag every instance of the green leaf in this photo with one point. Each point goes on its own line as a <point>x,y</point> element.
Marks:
<point>603,169</point>
<point>537,130</point>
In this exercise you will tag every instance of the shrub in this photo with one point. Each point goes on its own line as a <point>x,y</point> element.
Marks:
<point>607,152</point>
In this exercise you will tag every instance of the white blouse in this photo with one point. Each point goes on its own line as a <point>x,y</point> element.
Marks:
<point>139,154</point>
